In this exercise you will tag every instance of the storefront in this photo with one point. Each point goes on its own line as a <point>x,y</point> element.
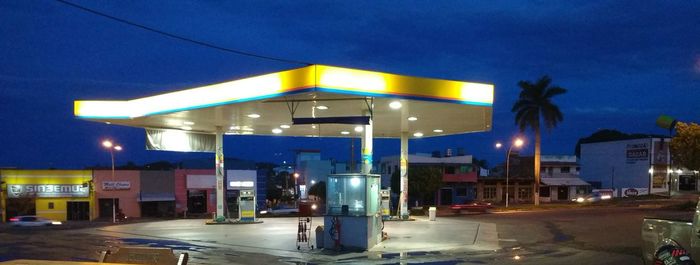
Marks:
<point>122,190</point>
<point>55,194</point>
<point>157,196</point>
<point>195,192</point>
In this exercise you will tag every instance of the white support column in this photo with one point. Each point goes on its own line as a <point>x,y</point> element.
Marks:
<point>220,190</point>
<point>403,165</point>
<point>367,149</point>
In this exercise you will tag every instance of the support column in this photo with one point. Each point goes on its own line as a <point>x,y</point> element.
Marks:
<point>219,166</point>
<point>367,149</point>
<point>403,165</point>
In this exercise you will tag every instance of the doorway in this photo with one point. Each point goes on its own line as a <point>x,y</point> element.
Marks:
<point>78,211</point>
<point>106,207</point>
<point>562,193</point>
<point>196,201</point>
<point>446,196</point>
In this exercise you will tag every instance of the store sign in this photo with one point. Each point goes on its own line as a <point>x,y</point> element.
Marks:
<point>116,185</point>
<point>631,192</point>
<point>637,152</point>
<point>47,191</point>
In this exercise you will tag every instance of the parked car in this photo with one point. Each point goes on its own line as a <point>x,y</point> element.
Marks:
<point>671,241</point>
<point>283,210</point>
<point>592,197</point>
<point>474,206</point>
<point>31,220</point>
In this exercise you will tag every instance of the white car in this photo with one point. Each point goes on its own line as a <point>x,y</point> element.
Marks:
<point>31,220</point>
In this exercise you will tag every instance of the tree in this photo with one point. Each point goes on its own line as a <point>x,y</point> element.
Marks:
<point>534,107</point>
<point>685,146</point>
<point>425,181</point>
<point>319,190</point>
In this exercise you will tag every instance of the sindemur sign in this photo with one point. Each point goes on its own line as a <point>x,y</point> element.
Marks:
<point>46,191</point>
<point>637,152</point>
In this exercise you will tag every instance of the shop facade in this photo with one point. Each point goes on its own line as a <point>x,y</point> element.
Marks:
<point>62,195</point>
<point>121,190</point>
<point>157,194</point>
<point>195,192</point>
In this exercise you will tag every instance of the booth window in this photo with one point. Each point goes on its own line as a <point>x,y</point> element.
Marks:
<point>50,205</point>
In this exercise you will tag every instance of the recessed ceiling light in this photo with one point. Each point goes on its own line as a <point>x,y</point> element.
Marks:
<point>313,126</point>
<point>188,123</point>
<point>322,107</point>
<point>359,129</point>
<point>418,134</point>
<point>232,133</point>
<point>247,133</point>
<point>437,130</point>
<point>108,122</point>
<point>345,132</point>
<point>254,115</point>
<point>246,128</point>
<point>187,128</point>
<point>412,118</point>
<point>276,130</point>
<point>284,126</point>
<point>395,105</point>
<point>235,128</point>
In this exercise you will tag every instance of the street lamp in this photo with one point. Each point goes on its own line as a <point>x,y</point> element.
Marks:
<point>517,143</point>
<point>112,147</point>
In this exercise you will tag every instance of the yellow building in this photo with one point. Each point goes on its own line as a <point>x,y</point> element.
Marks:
<point>55,194</point>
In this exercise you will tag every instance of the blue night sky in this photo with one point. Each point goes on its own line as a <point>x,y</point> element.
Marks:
<point>623,62</point>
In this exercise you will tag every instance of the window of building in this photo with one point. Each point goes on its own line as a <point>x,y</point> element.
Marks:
<point>550,170</point>
<point>465,168</point>
<point>396,168</point>
<point>50,205</point>
<point>525,193</point>
<point>449,170</point>
<point>565,170</point>
<point>544,191</point>
<point>489,193</point>
<point>461,191</point>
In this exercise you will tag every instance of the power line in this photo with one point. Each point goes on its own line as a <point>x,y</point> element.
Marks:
<point>205,44</point>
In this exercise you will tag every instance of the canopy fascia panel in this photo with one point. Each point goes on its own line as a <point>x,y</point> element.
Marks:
<point>443,107</point>
<point>315,78</point>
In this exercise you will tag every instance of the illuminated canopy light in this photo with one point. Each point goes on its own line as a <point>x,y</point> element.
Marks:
<point>359,129</point>
<point>254,115</point>
<point>247,133</point>
<point>412,118</point>
<point>322,107</point>
<point>418,134</point>
<point>285,126</point>
<point>438,130</point>
<point>395,105</point>
<point>188,123</point>
<point>186,128</point>
<point>276,130</point>
<point>345,132</point>
<point>310,78</point>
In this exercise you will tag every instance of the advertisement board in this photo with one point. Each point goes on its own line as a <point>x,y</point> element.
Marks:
<point>637,152</point>
<point>116,185</point>
<point>631,192</point>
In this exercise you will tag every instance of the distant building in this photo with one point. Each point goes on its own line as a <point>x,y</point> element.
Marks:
<point>642,164</point>
<point>458,179</point>
<point>559,180</point>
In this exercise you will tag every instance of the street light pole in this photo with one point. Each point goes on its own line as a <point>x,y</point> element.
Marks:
<point>517,143</point>
<point>111,146</point>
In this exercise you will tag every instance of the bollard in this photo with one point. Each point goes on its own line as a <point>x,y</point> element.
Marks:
<point>432,213</point>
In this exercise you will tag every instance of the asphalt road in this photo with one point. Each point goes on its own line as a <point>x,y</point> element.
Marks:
<point>565,236</point>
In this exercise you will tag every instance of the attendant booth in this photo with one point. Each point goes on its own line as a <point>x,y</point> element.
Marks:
<point>353,204</point>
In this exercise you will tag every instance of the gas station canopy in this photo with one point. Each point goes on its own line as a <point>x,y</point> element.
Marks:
<point>312,101</point>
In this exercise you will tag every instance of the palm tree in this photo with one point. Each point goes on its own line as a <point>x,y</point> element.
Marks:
<point>534,107</point>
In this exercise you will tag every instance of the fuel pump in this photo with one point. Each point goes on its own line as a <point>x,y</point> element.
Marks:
<point>246,206</point>
<point>385,203</point>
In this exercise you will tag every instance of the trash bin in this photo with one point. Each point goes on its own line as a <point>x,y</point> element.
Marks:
<point>431,213</point>
<point>319,236</point>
